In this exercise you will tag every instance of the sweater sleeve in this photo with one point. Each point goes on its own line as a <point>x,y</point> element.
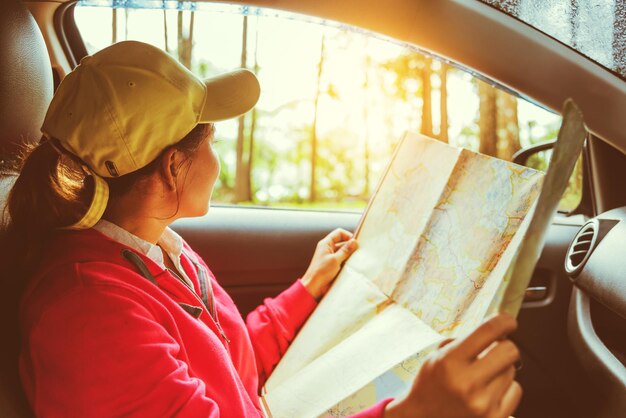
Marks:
<point>97,352</point>
<point>273,325</point>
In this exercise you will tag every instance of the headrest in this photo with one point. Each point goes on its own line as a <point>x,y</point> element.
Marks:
<point>26,84</point>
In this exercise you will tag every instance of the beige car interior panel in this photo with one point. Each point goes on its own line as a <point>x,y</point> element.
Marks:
<point>43,12</point>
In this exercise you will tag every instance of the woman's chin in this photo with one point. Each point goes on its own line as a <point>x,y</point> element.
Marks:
<point>200,208</point>
<point>195,212</point>
<point>204,210</point>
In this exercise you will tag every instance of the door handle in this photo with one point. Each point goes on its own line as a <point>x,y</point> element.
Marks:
<point>535,293</point>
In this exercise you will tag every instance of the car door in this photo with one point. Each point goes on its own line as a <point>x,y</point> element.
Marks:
<point>256,253</point>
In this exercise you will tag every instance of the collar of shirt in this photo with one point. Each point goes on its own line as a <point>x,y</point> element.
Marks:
<point>170,242</point>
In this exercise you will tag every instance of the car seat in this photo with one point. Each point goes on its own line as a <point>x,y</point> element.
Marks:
<point>26,85</point>
<point>26,88</point>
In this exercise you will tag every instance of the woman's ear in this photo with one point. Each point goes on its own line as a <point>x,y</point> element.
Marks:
<point>169,167</point>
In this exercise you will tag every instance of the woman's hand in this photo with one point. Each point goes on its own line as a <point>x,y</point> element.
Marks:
<point>468,378</point>
<point>330,252</point>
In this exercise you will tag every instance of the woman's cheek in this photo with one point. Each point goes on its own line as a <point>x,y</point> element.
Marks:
<point>218,165</point>
<point>213,175</point>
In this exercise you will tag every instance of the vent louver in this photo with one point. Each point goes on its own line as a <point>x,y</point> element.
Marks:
<point>581,247</point>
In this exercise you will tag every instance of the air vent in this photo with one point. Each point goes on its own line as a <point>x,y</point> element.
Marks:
<point>581,247</point>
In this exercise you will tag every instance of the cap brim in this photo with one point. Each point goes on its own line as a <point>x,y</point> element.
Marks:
<point>229,95</point>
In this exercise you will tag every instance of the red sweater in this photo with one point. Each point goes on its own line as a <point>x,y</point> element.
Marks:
<point>101,340</point>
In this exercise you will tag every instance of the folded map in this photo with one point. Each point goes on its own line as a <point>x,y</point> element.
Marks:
<point>439,247</point>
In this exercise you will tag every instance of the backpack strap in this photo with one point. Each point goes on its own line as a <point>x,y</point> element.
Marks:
<point>138,262</point>
<point>206,288</point>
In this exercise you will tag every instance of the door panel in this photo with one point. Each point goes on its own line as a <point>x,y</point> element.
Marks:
<point>552,381</point>
<point>256,253</point>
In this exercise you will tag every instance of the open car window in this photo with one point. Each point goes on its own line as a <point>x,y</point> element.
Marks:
<point>335,101</point>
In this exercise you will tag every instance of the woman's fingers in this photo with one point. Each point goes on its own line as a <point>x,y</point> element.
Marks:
<point>485,400</point>
<point>338,245</point>
<point>510,400</point>
<point>445,342</point>
<point>500,357</point>
<point>342,245</point>
<point>486,334</point>
<point>473,376</point>
<point>345,250</point>
<point>339,235</point>
<point>497,387</point>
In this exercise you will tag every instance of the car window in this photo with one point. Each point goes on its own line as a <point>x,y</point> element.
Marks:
<point>335,101</point>
<point>593,28</point>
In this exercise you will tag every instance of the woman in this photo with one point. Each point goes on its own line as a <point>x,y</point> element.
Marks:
<point>120,316</point>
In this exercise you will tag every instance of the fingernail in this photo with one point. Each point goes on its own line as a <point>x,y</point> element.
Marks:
<point>518,365</point>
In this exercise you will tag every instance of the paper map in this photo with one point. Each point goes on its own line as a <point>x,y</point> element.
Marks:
<point>440,247</point>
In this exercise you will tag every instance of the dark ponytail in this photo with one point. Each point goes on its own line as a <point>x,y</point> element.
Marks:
<point>50,192</point>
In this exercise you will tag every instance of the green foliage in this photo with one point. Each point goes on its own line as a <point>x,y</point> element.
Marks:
<point>406,73</point>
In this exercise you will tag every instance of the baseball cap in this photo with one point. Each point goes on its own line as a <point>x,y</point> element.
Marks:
<point>122,106</point>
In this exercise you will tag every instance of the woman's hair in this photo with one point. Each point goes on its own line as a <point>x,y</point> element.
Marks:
<point>52,191</point>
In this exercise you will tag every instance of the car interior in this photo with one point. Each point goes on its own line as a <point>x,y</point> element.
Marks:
<point>572,326</point>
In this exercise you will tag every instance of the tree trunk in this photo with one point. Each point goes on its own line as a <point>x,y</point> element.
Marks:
<point>427,112</point>
<point>167,46</point>
<point>508,125</point>
<point>320,67</point>
<point>443,102</point>
<point>180,35</point>
<point>248,177</point>
<point>253,120</point>
<point>126,12</point>
<point>487,120</point>
<point>192,18</point>
<point>185,39</point>
<point>113,26</point>
<point>242,186</point>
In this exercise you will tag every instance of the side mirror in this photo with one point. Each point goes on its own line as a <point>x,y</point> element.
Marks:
<point>538,157</point>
